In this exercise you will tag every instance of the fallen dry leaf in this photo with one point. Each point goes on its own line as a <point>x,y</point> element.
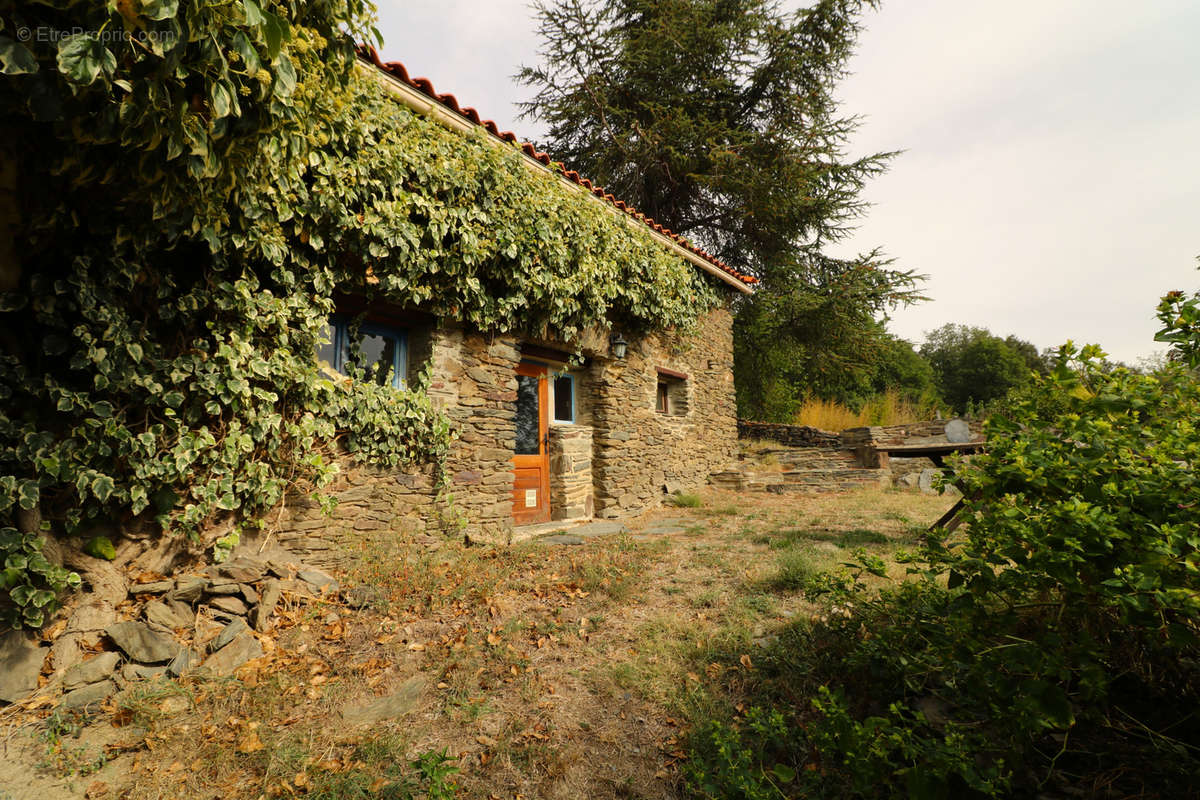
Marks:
<point>249,743</point>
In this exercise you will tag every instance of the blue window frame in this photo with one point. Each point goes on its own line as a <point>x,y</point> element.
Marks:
<point>382,350</point>
<point>564,398</point>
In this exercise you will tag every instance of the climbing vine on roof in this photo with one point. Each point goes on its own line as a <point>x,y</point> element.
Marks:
<point>187,184</point>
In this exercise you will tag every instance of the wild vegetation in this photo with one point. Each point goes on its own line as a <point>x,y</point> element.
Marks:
<point>192,193</point>
<point>1051,644</point>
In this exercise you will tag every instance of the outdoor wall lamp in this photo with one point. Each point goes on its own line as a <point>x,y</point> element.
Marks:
<point>619,345</point>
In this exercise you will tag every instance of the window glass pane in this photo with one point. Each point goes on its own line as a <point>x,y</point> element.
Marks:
<point>564,399</point>
<point>327,352</point>
<point>378,353</point>
<point>527,416</point>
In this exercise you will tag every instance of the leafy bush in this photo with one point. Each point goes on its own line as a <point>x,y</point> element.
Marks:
<point>1055,642</point>
<point>30,580</point>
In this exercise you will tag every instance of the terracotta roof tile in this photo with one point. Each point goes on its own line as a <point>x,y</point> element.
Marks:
<point>449,101</point>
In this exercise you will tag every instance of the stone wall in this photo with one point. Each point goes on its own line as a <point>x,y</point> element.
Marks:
<point>790,435</point>
<point>370,501</point>
<point>639,454</point>
<point>571,472</point>
<point>474,383</point>
<point>623,462</point>
<point>909,433</point>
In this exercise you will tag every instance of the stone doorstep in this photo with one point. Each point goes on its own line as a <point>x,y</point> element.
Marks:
<point>524,533</point>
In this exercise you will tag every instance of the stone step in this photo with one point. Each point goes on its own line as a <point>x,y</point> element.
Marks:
<point>801,475</point>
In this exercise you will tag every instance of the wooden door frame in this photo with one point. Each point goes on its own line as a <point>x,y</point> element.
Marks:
<point>541,460</point>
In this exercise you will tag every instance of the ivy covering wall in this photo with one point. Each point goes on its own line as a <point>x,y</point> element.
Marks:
<point>191,183</point>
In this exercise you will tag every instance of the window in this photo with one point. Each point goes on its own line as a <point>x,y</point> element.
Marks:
<point>671,393</point>
<point>379,351</point>
<point>564,398</point>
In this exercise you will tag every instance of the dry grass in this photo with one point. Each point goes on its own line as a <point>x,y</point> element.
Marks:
<point>550,672</point>
<point>888,408</point>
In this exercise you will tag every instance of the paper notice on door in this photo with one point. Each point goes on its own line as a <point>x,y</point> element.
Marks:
<point>531,498</point>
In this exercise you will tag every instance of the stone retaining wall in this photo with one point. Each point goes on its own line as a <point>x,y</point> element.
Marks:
<point>790,435</point>
<point>908,433</point>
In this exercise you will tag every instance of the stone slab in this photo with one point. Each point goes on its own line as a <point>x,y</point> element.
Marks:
<point>397,704</point>
<point>21,661</point>
<point>229,604</point>
<point>321,582</point>
<point>170,614</point>
<point>183,662</point>
<point>91,671</point>
<point>244,569</point>
<point>189,588</point>
<point>227,634</point>
<point>154,587</point>
<point>271,591</point>
<point>957,431</point>
<point>561,538</point>
<point>603,528</point>
<point>243,648</point>
<point>89,695</point>
<point>140,672</point>
<point>142,643</point>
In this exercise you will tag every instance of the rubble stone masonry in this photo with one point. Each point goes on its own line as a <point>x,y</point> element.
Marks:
<point>620,458</point>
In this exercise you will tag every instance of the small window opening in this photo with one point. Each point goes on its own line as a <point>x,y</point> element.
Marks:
<point>564,399</point>
<point>671,393</point>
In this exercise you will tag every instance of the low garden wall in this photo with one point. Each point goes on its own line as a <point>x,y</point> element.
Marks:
<point>790,435</point>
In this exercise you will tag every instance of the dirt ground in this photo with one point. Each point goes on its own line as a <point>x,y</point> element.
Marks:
<point>529,671</point>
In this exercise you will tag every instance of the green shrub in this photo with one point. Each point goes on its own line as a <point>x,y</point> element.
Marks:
<point>1056,636</point>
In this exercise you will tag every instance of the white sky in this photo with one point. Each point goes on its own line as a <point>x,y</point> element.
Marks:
<point>1050,184</point>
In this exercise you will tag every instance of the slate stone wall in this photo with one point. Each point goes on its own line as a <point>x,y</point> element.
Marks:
<point>908,433</point>
<point>639,455</point>
<point>571,472</point>
<point>623,462</point>
<point>474,382</point>
<point>790,435</point>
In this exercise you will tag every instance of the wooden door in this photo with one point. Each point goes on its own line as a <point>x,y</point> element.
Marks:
<point>531,456</point>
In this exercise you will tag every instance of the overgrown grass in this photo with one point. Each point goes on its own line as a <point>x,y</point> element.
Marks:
<point>685,500</point>
<point>888,408</point>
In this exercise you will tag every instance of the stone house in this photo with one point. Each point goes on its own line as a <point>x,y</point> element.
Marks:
<point>543,434</point>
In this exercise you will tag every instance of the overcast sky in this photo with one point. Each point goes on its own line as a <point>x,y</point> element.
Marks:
<point>1050,180</point>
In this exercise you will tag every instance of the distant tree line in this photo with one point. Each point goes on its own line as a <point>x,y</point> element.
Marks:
<point>959,369</point>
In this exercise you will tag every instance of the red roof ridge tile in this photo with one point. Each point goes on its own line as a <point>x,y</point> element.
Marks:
<point>398,71</point>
